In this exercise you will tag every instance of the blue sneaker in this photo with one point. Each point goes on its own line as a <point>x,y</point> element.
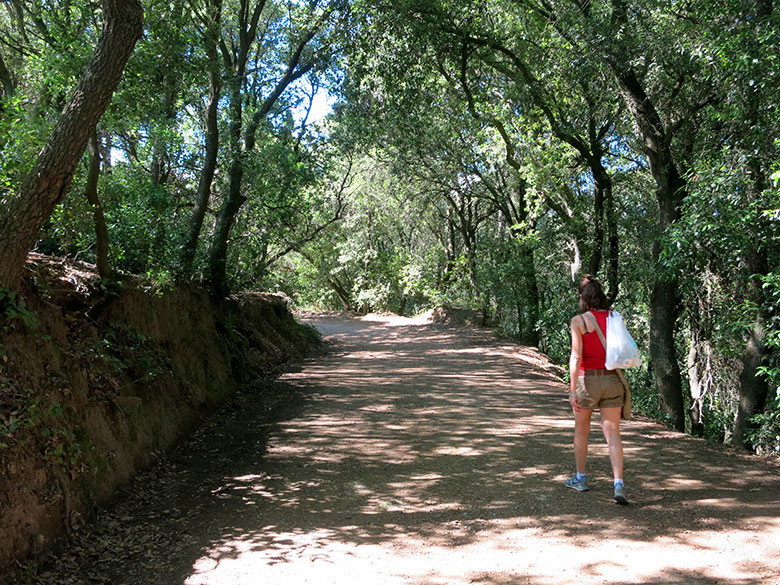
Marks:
<point>581,485</point>
<point>620,494</point>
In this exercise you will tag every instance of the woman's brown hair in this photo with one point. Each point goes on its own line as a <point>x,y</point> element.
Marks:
<point>592,297</point>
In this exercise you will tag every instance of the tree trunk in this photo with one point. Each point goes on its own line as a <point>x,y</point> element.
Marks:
<point>670,191</point>
<point>227,216</point>
<point>206,177</point>
<point>211,143</point>
<point>603,211</point>
<point>613,260</point>
<point>101,231</point>
<point>601,180</point>
<point>700,357</point>
<point>52,173</point>
<point>6,80</point>
<point>663,315</point>
<point>753,387</point>
<point>696,410</point>
<point>341,293</point>
<point>604,183</point>
<point>528,330</point>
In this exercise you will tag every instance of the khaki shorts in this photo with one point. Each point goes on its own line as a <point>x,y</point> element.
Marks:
<point>600,391</point>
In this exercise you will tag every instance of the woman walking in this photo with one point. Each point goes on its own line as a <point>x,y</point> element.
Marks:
<point>592,386</point>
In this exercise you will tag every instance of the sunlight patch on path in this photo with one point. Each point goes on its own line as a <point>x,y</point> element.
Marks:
<point>501,554</point>
<point>429,458</point>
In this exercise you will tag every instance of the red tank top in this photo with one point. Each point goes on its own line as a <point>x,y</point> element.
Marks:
<point>593,352</point>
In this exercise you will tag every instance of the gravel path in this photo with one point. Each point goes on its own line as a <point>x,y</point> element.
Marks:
<point>421,455</point>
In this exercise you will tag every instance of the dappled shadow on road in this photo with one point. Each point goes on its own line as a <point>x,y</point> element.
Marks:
<point>438,458</point>
<point>421,455</point>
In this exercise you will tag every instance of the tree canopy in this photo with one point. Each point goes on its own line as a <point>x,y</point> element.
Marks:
<point>480,154</point>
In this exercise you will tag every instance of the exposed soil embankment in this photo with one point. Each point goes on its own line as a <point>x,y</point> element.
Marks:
<point>96,381</point>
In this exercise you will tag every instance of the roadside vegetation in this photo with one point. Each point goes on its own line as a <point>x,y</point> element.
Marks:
<point>482,155</point>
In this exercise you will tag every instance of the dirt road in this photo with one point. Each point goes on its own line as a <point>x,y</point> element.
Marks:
<point>418,455</point>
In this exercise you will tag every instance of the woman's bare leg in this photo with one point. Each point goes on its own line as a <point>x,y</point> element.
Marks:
<point>581,432</point>
<point>610,424</point>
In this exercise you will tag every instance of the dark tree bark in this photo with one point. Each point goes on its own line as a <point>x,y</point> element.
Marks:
<point>527,289</point>
<point>529,334</point>
<point>225,219</point>
<point>6,80</point>
<point>211,142</point>
<point>613,240</point>
<point>604,213</point>
<point>670,192</point>
<point>594,266</point>
<point>753,388</point>
<point>235,63</point>
<point>341,293</point>
<point>592,151</point>
<point>101,231</point>
<point>52,174</point>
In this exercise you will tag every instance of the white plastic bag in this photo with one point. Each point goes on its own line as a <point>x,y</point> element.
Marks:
<point>622,351</point>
